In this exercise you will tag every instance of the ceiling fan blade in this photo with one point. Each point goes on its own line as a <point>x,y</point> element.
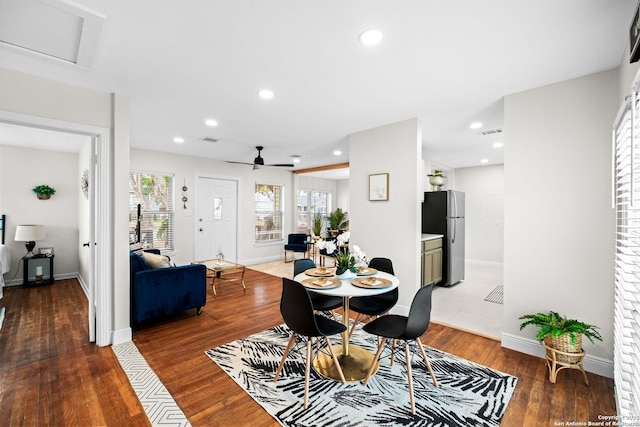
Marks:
<point>239,163</point>
<point>283,165</point>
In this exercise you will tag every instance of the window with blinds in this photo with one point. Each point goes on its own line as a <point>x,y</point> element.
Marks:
<point>626,135</point>
<point>154,193</point>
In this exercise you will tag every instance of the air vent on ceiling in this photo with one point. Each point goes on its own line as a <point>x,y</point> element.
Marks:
<point>209,139</point>
<point>491,131</point>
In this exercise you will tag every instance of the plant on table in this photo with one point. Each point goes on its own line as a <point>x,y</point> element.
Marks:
<point>347,258</point>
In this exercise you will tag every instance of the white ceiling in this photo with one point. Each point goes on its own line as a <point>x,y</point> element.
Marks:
<point>449,63</point>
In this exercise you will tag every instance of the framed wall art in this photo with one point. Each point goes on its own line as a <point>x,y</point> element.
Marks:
<point>379,187</point>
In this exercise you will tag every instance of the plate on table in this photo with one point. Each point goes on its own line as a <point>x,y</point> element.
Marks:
<point>371,282</point>
<point>366,271</point>
<point>320,272</point>
<point>322,282</point>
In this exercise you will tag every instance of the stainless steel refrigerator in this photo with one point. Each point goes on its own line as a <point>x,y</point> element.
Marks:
<point>443,213</point>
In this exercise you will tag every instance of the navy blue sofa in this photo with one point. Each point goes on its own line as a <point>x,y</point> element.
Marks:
<point>163,291</point>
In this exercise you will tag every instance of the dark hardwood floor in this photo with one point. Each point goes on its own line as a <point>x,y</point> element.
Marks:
<point>50,375</point>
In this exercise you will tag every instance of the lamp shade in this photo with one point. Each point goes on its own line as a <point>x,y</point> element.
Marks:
<point>30,233</point>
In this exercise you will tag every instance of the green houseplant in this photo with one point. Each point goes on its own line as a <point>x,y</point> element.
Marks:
<point>43,192</point>
<point>337,220</point>
<point>560,333</point>
<point>317,225</point>
<point>345,261</point>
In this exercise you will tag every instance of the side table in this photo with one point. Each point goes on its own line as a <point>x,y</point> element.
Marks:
<point>35,266</point>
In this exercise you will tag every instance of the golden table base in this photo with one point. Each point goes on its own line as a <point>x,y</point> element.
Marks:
<point>354,366</point>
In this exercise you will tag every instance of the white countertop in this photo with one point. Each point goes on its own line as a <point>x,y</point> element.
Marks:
<point>431,236</point>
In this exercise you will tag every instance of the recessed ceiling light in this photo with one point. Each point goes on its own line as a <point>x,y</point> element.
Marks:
<point>211,122</point>
<point>178,139</point>
<point>337,152</point>
<point>370,37</point>
<point>296,158</point>
<point>484,161</point>
<point>265,94</point>
<point>497,145</point>
<point>475,125</point>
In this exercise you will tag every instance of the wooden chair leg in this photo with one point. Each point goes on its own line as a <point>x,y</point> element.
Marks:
<point>374,361</point>
<point>355,322</point>
<point>426,360</point>
<point>292,339</point>
<point>306,374</point>
<point>408,355</point>
<point>335,360</point>
<point>393,351</point>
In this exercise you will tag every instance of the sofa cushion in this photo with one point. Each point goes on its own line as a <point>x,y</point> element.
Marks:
<point>137,263</point>
<point>156,261</point>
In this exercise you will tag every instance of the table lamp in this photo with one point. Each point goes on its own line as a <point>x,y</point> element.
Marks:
<point>29,234</point>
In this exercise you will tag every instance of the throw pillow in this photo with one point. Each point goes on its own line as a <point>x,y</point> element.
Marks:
<point>156,261</point>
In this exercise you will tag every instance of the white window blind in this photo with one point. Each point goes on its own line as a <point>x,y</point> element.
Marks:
<point>626,139</point>
<point>154,193</point>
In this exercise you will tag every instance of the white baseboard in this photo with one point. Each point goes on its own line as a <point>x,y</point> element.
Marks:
<point>261,260</point>
<point>122,336</point>
<point>593,364</point>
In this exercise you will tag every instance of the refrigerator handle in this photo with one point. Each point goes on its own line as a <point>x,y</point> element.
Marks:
<point>455,216</point>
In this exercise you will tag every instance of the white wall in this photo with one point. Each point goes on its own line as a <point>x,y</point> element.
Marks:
<point>186,169</point>
<point>484,211</point>
<point>21,169</point>
<point>559,224</point>
<point>390,228</point>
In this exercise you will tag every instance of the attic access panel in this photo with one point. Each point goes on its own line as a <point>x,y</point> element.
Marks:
<point>51,29</point>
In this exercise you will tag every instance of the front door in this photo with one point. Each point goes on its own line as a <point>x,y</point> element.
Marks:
<point>216,219</point>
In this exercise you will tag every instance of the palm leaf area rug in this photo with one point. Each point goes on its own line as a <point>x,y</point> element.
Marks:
<point>468,394</point>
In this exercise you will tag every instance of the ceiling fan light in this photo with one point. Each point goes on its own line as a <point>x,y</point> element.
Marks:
<point>211,122</point>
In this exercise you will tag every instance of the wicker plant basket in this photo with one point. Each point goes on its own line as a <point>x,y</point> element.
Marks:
<point>42,196</point>
<point>563,344</point>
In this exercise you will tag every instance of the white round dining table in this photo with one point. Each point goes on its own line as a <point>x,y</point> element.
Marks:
<point>354,360</point>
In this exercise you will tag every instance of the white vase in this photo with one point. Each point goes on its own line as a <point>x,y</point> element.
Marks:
<point>347,275</point>
<point>436,181</point>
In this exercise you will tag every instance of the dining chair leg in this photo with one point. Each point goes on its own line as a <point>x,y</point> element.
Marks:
<point>336,361</point>
<point>306,374</point>
<point>393,351</point>
<point>292,339</point>
<point>374,361</point>
<point>355,322</point>
<point>426,360</point>
<point>408,354</point>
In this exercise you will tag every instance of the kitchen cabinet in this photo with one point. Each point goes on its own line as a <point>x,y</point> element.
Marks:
<point>431,261</point>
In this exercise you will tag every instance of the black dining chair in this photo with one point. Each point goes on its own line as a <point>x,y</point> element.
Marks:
<point>323,303</point>
<point>298,314</point>
<point>377,305</point>
<point>405,328</point>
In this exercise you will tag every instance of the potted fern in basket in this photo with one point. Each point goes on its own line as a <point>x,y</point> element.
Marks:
<point>560,333</point>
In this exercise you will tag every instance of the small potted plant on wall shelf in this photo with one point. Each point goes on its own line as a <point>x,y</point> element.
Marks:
<point>44,192</point>
<point>560,333</point>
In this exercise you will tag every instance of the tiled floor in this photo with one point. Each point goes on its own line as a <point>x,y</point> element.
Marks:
<point>463,305</point>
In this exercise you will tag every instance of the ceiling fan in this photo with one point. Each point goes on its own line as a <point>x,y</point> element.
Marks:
<point>259,161</point>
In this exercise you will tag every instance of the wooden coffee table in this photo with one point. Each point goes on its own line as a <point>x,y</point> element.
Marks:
<point>222,270</point>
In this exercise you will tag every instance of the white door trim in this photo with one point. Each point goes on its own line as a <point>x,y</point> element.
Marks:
<point>103,282</point>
